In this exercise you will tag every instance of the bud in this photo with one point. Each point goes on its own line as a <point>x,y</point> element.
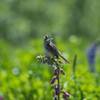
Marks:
<point>60,62</point>
<point>65,99</point>
<point>62,72</point>
<point>55,72</point>
<point>53,80</point>
<point>56,92</point>
<point>66,94</point>
<point>57,76</point>
<point>1,98</point>
<point>55,98</point>
<point>57,87</point>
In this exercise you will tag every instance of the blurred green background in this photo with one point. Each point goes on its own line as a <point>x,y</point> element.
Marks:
<point>75,24</point>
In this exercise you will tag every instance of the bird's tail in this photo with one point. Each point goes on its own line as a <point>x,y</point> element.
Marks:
<point>67,62</point>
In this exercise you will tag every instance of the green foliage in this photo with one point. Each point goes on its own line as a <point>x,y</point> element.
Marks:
<point>24,19</point>
<point>23,78</point>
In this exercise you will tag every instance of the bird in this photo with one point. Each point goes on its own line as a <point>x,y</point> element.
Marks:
<point>51,49</point>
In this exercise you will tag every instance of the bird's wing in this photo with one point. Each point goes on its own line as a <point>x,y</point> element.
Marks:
<point>53,49</point>
<point>56,52</point>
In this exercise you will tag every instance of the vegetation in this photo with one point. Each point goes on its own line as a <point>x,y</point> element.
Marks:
<point>23,78</point>
<point>74,24</point>
<point>24,19</point>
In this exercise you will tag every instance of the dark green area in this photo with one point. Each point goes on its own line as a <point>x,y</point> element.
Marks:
<point>21,20</point>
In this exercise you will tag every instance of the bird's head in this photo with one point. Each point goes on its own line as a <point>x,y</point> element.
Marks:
<point>46,38</point>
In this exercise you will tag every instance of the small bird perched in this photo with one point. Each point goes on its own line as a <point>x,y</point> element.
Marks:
<point>52,49</point>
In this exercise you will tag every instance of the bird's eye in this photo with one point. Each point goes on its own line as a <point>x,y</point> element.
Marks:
<point>46,37</point>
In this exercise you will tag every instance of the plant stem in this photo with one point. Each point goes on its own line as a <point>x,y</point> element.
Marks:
<point>59,88</point>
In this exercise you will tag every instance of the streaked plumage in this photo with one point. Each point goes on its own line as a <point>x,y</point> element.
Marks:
<point>52,49</point>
